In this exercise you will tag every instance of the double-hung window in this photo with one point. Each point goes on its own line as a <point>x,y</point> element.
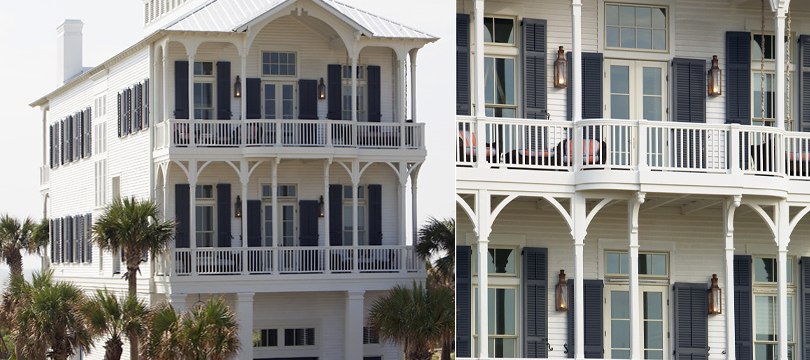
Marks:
<point>500,72</point>
<point>502,296</point>
<point>763,80</point>
<point>766,309</point>
<point>205,219</point>
<point>362,90</point>
<point>348,223</point>
<point>204,90</point>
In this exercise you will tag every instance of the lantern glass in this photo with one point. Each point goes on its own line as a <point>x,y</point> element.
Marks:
<point>715,78</point>
<point>560,70</point>
<point>321,90</point>
<point>715,297</point>
<point>237,87</point>
<point>238,207</point>
<point>562,293</point>
<point>320,202</point>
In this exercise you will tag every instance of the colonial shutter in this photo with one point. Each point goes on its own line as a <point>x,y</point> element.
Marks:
<point>182,201</point>
<point>89,135</point>
<point>689,105</point>
<point>58,233</point>
<point>308,222</point>
<point>146,103</point>
<point>79,220</point>
<point>125,107</point>
<point>463,301</point>
<point>69,139</point>
<point>374,93</point>
<point>70,238</point>
<point>463,93</point>
<point>52,239</point>
<point>223,215</point>
<point>804,82</point>
<point>137,107</point>
<point>181,90</point>
<point>79,153</point>
<point>224,90</point>
<point>308,99</point>
<point>535,91</point>
<point>738,77</point>
<point>592,76</point>
<point>743,310</point>
<point>691,321</point>
<point>594,325</point>
<point>375,214</point>
<point>804,293</point>
<point>89,230</point>
<point>335,214</point>
<point>253,99</point>
<point>50,139</point>
<point>334,80</point>
<point>254,223</point>
<point>120,117</point>
<point>535,302</point>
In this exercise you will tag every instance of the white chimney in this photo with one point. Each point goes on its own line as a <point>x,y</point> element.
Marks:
<point>68,50</point>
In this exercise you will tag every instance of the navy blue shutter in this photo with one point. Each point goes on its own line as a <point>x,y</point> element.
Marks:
<point>223,90</point>
<point>254,223</point>
<point>308,99</point>
<point>182,215</point>
<point>120,116</point>
<point>126,109</point>
<point>71,243</point>
<point>743,308</point>
<point>535,302</point>
<point>89,135</point>
<point>804,83</point>
<point>69,139</point>
<point>89,229</point>
<point>51,238</point>
<point>253,100</point>
<point>592,77</point>
<point>137,108</point>
<point>463,301</point>
<point>62,141</point>
<point>146,103</point>
<point>79,220</point>
<point>130,110</point>
<point>689,90</point>
<point>50,139</point>
<point>374,93</point>
<point>334,79</point>
<point>59,237</point>
<point>738,77</point>
<point>335,214</point>
<point>375,214</point>
<point>224,215</point>
<point>181,89</point>
<point>79,153</point>
<point>804,294</point>
<point>594,324</point>
<point>690,311</point>
<point>308,222</point>
<point>463,92</point>
<point>535,88</point>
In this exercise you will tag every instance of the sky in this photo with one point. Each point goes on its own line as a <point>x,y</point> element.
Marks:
<point>29,72</point>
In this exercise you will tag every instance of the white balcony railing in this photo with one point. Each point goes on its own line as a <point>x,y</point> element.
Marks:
<point>290,260</point>
<point>633,145</point>
<point>288,133</point>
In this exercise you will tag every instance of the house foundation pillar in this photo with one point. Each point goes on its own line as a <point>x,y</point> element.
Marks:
<point>729,207</point>
<point>353,348</point>
<point>244,311</point>
<point>635,307</point>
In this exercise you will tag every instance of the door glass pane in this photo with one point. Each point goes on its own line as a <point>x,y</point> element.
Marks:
<point>489,84</point>
<point>653,317</point>
<point>620,92</point>
<point>652,93</point>
<point>287,101</point>
<point>268,225</point>
<point>765,318</point>
<point>620,324</point>
<point>502,322</point>
<point>203,100</point>
<point>288,225</point>
<point>269,101</point>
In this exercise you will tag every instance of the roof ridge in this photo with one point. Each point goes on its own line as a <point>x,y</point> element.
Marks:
<point>379,16</point>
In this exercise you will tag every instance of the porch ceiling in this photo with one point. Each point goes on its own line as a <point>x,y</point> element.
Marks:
<point>795,5</point>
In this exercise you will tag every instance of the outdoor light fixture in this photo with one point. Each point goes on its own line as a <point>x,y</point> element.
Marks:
<point>715,297</point>
<point>560,70</point>
<point>237,87</point>
<point>238,211</point>
<point>562,293</point>
<point>321,90</point>
<point>320,202</point>
<point>715,76</point>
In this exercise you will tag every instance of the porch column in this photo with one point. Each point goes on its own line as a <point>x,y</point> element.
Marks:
<point>480,99</point>
<point>483,209</point>
<point>576,55</point>
<point>635,311</point>
<point>402,107</point>
<point>782,226</point>
<point>579,230</point>
<point>192,219</point>
<point>326,214</point>
<point>243,88</point>
<point>178,302</point>
<point>244,311</point>
<point>244,179</point>
<point>414,219</point>
<point>354,86</point>
<point>781,12</point>
<point>729,207</point>
<point>412,54</point>
<point>355,208</point>
<point>403,202</point>
<point>277,244</point>
<point>165,84</point>
<point>191,52</point>
<point>353,325</point>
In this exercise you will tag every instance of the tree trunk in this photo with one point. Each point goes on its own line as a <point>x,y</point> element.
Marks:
<point>113,348</point>
<point>132,279</point>
<point>14,261</point>
<point>446,350</point>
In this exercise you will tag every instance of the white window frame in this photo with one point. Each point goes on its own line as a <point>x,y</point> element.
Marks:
<point>648,4</point>
<point>636,88</point>
<point>269,75</point>
<point>206,202</point>
<point>607,313</point>
<point>346,92</point>
<point>362,202</point>
<point>515,29</point>
<point>206,79</point>
<point>279,98</point>
<point>281,201</point>
<point>500,281</point>
<point>770,69</point>
<point>771,289</point>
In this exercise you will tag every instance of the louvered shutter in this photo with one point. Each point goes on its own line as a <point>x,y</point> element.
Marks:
<point>89,229</point>
<point>334,92</point>
<point>253,100</point>
<point>804,294</point>
<point>308,222</point>
<point>804,83</point>
<point>223,90</point>
<point>137,106</point>
<point>335,214</point>
<point>463,88</point>
<point>594,323</point>
<point>738,77</point>
<point>181,90</point>
<point>50,147</point>
<point>743,308</point>
<point>59,237</point>
<point>592,78</point>
<point>464,301</point>
<point>89,134</point>
<point>374,93</point>
<point>375,214</point>
<point>182,215</point>
<point>79,220</point>
<point>535,88</point>
<point>120,117</point>
<point>308,99</point>
<point>146,103</point>
<point>254,223</point>
<point>69,140</point>
<point>224,215</point>
<point>690,311</point>
<point>535,302</point>
<point>71,239</point>
<point>52,239</point>
<point>689,98</point>
<point>79,135</point>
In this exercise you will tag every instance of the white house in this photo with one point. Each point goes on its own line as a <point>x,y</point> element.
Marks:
<point>595,141</point>
<point>276,133</point>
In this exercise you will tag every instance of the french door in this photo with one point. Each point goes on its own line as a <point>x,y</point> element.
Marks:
<point>288,229</point>
<point>653,322</point>
<point>279,100</point>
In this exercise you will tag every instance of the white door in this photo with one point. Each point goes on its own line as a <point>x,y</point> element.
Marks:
<point>654,321</point>
<point>279,100</point>
<point>636,90</point>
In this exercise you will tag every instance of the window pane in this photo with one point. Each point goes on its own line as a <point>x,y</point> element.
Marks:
<point>653,354</point>
<point>489,29</point>
<point>613,263</point>
<point>502,348</point>
<point>612,15</point>
<point>613,36</point>
<point>619,79</point>
<point>644,37</point>
<point>654,335</point>
<point>765,318</point>
<point>619,305</point>
<point>643,17</point>
<point>659,264</point>
<point>764,270</point>
<point>652,108</point>
<point>620,106</point>
<point>620,334</point>
<point>659,18</point>
<point>659,39</point>
<point>790,317</point>
<point>627,16</point>
<point>501,261</point>
<point>489,82</point>
<point>628,37</point>
<point>620,354</point>
<point>504,31</point>
<point>653,305</point>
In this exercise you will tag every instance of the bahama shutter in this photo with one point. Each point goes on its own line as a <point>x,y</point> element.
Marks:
<point>308,222</point>
<point>743,310</point>
<point>334,92</point>
<point>374,93</point>
<point>223,215</point>
<point>375,214</point>
<point>463,92</point>
<point>182,215</point>
<point>335,214</point>
<point>738,77</point>
<point>804,295</point>
<point>253,98</point>
<point>535,302</point>
<point>594,325</point>
<point>181,90</point>
<point>254,223</point>
<point>463,301</point>
<point>691,321</point>
<point>308,99</point>
<point>534,51</point>
<point>804,83</point>
<point>223,90</point>
<point>689,105</point>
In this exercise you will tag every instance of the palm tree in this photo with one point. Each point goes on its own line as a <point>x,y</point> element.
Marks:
<point>437,238</point>
<point>164,336</point>
<point>208,331</point>
<point>107,316</point>
<point>132,227</point>
<point>15,237</point>
<point>418,318</point>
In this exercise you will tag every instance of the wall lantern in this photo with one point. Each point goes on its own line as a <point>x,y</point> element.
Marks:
<point>715,78</point>
<point>715,297</point>
<point>562,293</point>
<point>320,202</point>
<point>321,90</point>
<point>237,87</point>
<point>237,212</point>
<point>561,70</point>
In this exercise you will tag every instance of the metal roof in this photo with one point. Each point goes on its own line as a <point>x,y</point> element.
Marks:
<point>231,15</point>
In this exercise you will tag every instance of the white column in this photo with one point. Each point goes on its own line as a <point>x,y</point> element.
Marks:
<point>783,224</point>
<point>178,302</point>
<point>576,57</point>
<point>729,207</point>
<point>191,89</point>
<point>243,87</point>
<point>274,213</point>
<point>244,311</point>
<point>483,209</point>
<point>354,87</point>
<point>244,179</point>
<point>780,69</point>
<point>635,308</point>
<point>478,26</point>
<point>413,84</point>
<point>164,98</point>
<point>402,107</point>
<point>414,219</point>
<point>355,208</point>
<point>353,348</point>
<point>578,213</point>
<point>403,202</point>
<point>192,218</point>
<point>327,239</point>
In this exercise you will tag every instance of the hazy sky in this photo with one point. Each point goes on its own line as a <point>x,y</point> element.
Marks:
<point>29,72</point>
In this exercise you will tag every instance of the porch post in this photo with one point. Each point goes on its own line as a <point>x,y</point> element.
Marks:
<point>178,301</point>
<point>353,325</point>
<point>412,54</point>
<point>480,99</point>
<point>729,207</point>
<point>354,86</point>
<point>576,55</point>
<point>635,311</point>
<point>326,234</point>
<point>244,179</point>
<point>244,311</point>
<point>276,243</point>
<point>414,219</point>
<point>781,12</point>
<point>483,210</point>
<point>243,86</point>
<point>782,227</point>
<point>403,211</point>
<point>165,85</point>
<point>192,219</point>
<point>191,52</point>
<point>578,231</point>
<point>355,212</point>
<point>402,73</point>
